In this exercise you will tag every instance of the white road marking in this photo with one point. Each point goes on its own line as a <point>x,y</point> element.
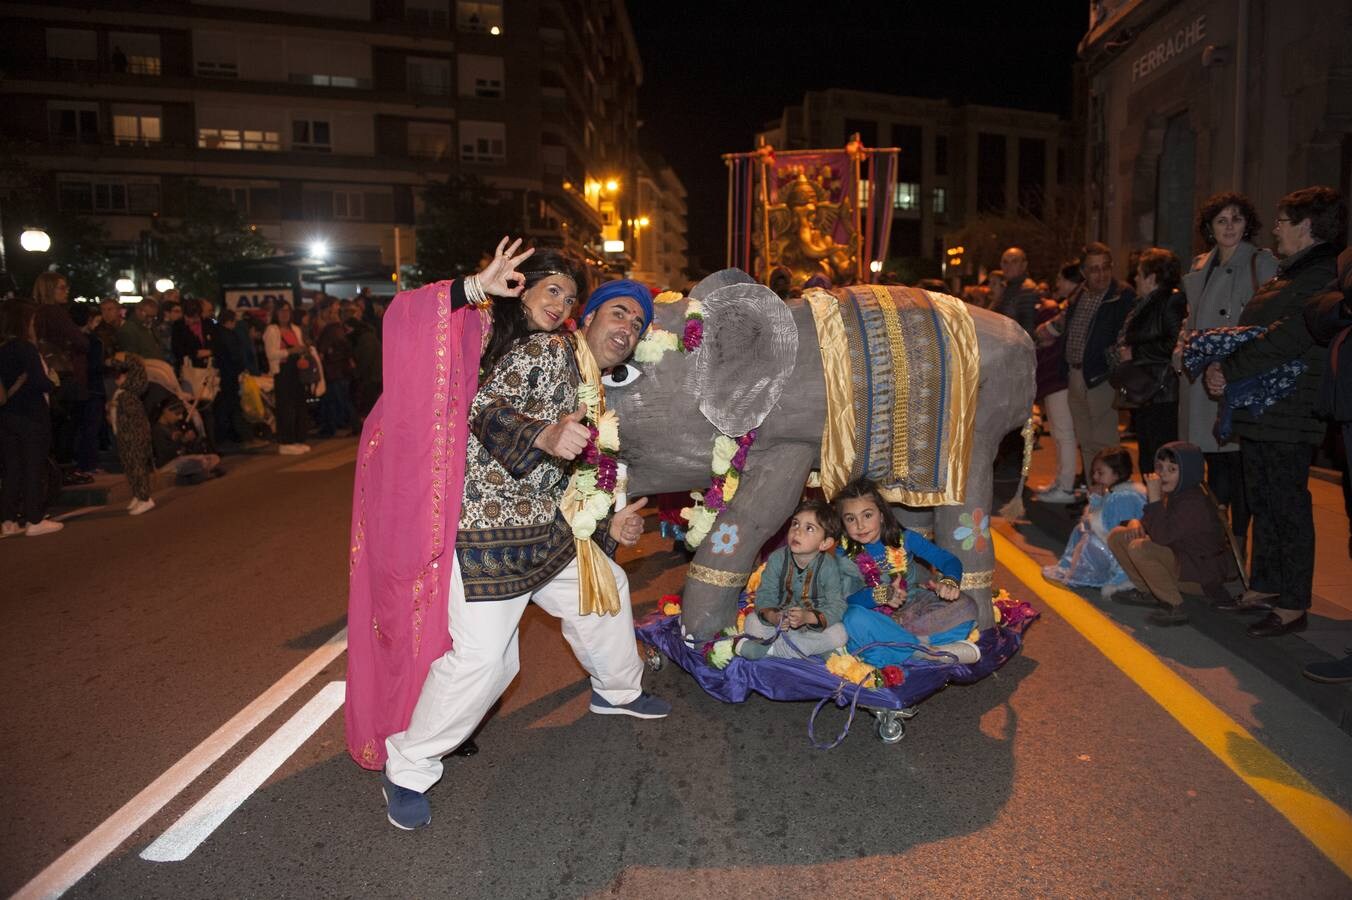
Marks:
<point>197,824</point>
<point>79,860</point>
<point>327,461</point>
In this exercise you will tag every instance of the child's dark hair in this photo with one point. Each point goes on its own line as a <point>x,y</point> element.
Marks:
<point>865,488</point>
<point>826,516</point>
<point>1118,461</point>
<point>1166,454</point>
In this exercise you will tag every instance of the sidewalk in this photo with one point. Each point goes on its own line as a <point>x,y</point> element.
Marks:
<point>1047,526</point>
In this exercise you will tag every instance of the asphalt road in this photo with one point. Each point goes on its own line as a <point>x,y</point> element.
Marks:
<point>134,639</point>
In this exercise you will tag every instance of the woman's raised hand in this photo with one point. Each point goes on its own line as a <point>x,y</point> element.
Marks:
<point>500,277</point>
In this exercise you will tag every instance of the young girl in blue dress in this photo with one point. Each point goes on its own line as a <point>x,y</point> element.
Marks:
<point>887,598</point>
<point>1113,499</point>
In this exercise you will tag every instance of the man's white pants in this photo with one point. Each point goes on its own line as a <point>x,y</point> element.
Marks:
<point>463,685</point>
<point>1056,406</point>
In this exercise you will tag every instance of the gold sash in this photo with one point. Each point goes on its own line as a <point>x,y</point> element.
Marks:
<point>597,591</point>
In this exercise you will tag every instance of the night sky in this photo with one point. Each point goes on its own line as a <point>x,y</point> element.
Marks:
<point>716,72</point>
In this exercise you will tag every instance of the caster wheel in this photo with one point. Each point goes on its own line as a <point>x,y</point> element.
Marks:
<point>891,729</point>
<point>654,660</point>
<point>909,712</point>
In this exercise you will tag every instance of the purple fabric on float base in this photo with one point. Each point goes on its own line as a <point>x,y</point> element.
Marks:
<point>808,679</point>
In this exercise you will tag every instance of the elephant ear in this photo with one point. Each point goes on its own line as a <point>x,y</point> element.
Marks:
<point>720,279</point>
<point>746,358</point>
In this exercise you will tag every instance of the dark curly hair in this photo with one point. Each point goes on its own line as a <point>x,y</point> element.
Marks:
<point>826,516</point>
<point>1217,204</point>
<point>509,317</point>
<point>1325,209</point>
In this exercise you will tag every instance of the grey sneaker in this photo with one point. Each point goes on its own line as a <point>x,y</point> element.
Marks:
<point>1333,671</point>
<point>405,808</point>
<point>1056,495</point>
<point>646,706</point>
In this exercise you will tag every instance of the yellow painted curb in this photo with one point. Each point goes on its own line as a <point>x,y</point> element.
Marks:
<point>1326,824</point>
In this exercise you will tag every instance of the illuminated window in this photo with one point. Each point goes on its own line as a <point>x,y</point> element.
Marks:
<point>485,15</point>
<point>134,52</point>
<point>940,201</point>
<point>865,192</point>
<point>906,196</point>
<point>237,139</point>
<point>136,125</point>
<point>429,140</point>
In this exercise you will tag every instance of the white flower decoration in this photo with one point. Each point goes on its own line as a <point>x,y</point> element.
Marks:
<point>608,432</point>
<point>596,506</point>
<point>725,448</point>
<point>584,526</point>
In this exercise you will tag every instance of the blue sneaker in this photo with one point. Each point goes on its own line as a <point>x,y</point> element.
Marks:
<point>646,706</point>
<point>407,809</point>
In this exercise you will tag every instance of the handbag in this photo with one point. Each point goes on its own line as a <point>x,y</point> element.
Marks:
<point>1137,383</point>
<point>203,383</point>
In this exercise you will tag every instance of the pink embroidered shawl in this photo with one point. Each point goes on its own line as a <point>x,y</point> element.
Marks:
<point>405,509</point>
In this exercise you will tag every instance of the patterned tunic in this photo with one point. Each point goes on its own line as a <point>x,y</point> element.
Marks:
<point>512,538</point>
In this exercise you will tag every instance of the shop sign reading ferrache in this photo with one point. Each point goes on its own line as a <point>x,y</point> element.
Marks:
<point>1175,44</point>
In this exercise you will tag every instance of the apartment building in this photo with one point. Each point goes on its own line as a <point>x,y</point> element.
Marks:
<point>953,160</point>
<point>323,120</point>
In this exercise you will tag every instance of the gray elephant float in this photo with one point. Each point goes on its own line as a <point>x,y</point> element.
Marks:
<point>760,366</point>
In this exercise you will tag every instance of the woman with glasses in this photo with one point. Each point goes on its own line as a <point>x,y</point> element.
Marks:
<point>1277,444</point>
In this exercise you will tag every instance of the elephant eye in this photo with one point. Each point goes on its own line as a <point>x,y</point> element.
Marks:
<point>621,376</point>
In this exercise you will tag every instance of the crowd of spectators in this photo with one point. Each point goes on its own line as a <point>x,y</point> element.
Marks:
<point>209,381</point>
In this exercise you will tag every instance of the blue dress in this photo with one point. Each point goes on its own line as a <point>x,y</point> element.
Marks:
<point>1087,561</point>
<point>940,621</point>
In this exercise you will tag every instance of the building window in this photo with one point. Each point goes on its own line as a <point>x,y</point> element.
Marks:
<point>71,48</point>
<point>237,197</point>
<point>429,140</point>
<point>483,142</point>
<point>349,205</point>
<point>311,134</point>
<point>238,139</point>
<point>136,125</point>
<point>940,201</point>
<point>940,155</point>
<point>1032,175</point>
<point>73,123</point>
<point>484,15</point>
<point>134,52</point>
<point>481,76</point>
<point>436,13</point>
<point>217,54</point>
<point>429,76</point>
<point>865,191</point>
<point>340,81</point>
<point>990,173</point>
<point>103,196</point>
<point>910,140</point>
<point>906,196</point>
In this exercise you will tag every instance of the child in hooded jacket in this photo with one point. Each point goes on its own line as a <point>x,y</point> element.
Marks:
<point>1178,543</point>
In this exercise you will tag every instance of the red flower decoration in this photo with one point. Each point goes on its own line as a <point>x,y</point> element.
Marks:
<point>893,676</point>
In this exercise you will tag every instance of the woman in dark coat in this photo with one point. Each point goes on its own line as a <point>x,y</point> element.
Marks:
<point>1278,444</point>
<point>1147,345</point>
<point>25,424</point>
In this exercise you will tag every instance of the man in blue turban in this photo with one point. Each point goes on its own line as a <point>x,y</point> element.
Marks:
<point>614,318</point>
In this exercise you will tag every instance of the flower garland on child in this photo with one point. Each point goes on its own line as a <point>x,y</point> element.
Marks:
<point>872,568</point>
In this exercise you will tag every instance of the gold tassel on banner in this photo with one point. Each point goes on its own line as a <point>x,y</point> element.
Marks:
<point>597,591</point>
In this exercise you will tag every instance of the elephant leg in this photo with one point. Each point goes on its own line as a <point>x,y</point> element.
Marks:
<point>954,526</point>
<point>771,486</point>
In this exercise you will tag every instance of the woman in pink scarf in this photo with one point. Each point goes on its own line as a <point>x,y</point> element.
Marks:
<point>410,479</point>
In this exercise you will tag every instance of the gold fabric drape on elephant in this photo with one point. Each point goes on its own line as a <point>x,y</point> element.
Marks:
<point>870,361</point>
<point>597,591</point>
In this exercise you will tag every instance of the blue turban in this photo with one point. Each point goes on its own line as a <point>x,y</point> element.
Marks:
<point>624,288</point>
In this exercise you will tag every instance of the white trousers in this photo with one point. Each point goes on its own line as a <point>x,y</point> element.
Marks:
<point>465,683</point>
<point>1056,406</point>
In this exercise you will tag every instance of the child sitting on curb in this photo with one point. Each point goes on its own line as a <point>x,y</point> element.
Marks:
<point>881,576</point>
<point>1177,545</point>
<point>801,599</point>
<point>1113,499</point>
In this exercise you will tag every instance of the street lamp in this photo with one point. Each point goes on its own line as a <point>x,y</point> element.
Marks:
<point>319,250</point>
<point>164,285</point>
<point>612,185</point>
<point>35,240</point>
<point>125,286</point>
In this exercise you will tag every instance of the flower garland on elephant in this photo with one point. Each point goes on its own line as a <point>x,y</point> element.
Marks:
<point>729,454</point>
<point>598,467</point>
